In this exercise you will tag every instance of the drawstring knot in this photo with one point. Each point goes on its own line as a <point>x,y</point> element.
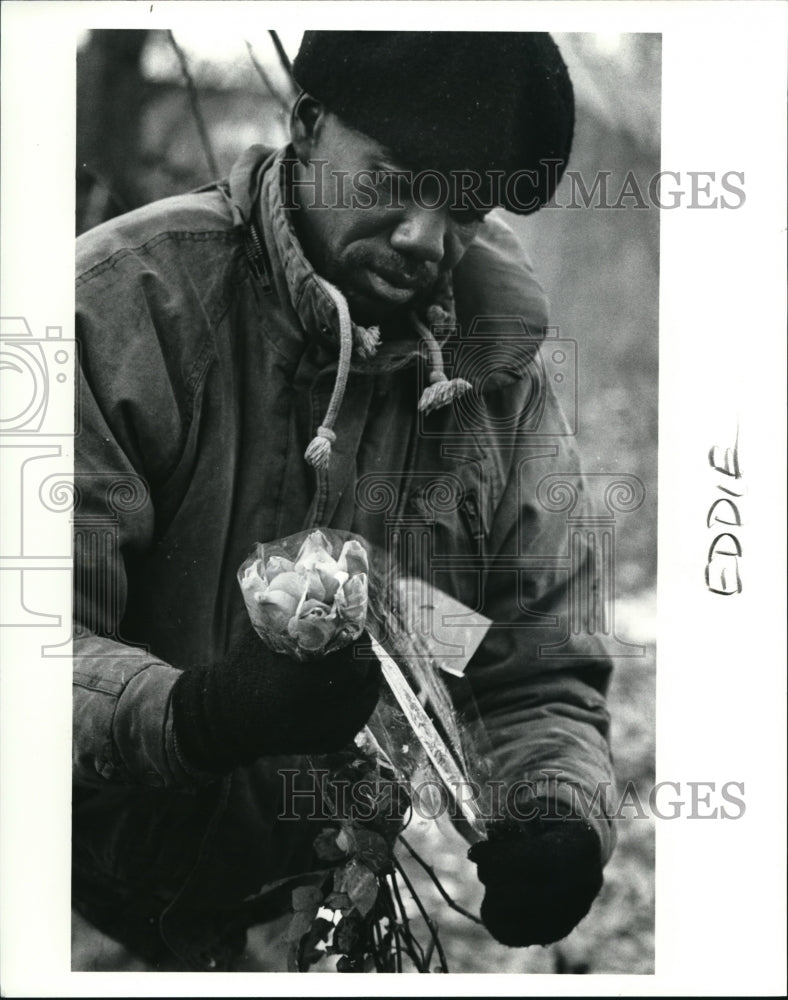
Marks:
<point>442,389</point>
<point>318,450</point>
<point>365,341</point>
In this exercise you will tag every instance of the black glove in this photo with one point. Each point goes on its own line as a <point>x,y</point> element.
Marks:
<point>257,702</point>
<point>541,878</point>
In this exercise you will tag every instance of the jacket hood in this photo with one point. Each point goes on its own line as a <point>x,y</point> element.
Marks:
<point>491,297</point>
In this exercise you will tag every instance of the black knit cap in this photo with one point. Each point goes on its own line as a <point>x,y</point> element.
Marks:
<point>452,101</point>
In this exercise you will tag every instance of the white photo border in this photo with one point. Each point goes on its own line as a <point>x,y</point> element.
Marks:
<point>720,918</point>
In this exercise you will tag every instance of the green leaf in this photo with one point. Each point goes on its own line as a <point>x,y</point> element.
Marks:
<point>362,887</point>
<point>309,953</point>
<point>346,840</point>
<point>348,934</point>
<point>372,850</point>
<point>328,846</point>
<point>338,901</point>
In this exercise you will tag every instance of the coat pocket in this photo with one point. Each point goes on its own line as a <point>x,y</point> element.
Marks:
<point>444,538</point>
<point>450,510</point>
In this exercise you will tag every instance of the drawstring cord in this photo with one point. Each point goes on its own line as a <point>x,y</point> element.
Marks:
<point>318,452</point>
<point>442,389</point>
<point>439,392</point>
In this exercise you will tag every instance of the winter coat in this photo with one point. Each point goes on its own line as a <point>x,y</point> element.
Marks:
<point>207,359</point>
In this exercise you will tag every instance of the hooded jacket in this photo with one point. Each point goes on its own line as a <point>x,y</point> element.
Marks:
<point>208,355</point>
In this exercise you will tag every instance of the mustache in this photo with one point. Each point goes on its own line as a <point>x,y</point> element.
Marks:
<point>418,275</point>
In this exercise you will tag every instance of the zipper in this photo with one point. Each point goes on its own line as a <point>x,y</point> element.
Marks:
<point>255,254</point>
<point>470,512</point>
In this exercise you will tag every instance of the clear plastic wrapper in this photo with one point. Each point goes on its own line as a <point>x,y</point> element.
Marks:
<point>314,592</point>
<point>307,594</point>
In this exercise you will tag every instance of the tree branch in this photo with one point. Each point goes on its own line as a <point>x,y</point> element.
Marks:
<point>425,916</point>
<point>284,59</point>
<point>436,882</point>
<point>266,79</point>
<point>195,103</point>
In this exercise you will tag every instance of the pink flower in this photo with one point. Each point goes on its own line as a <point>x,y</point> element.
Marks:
<point>312,627</point>
<point>277,604</point>
<point>351,600</point>
<point>310,604</point>
<point>353,558</point>
<point>293,584</point>
<point>315,588</point>
<point>277,565</point>
<point>316,551</point>
<point>254,581</point>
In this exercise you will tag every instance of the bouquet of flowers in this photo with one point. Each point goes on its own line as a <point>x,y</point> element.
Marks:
<point>308,595</point>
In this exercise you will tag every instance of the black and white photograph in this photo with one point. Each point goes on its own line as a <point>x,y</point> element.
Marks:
<point>243,346</point>
<point>387,474</point>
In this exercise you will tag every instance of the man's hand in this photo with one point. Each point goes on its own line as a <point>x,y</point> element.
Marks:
<point>257,702</point>
<point>541,878</point>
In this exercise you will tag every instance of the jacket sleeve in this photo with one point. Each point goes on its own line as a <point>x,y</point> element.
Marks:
<point>540,677</point>
<point>129,426</point>
<point>121,716</point>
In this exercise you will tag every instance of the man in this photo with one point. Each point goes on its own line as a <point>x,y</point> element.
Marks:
<point>271,354</point>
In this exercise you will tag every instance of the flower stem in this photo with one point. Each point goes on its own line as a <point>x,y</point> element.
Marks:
<point>437,883</point>
<point>425,916</point>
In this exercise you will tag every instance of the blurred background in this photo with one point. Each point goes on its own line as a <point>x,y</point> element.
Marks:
<point>159,113</point>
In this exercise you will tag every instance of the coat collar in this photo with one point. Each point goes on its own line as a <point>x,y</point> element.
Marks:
<point>256,191</point>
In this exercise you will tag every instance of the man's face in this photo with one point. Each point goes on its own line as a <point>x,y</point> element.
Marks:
<point>368,231</point>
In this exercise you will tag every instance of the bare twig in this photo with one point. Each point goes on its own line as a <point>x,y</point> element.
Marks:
<point>397,953</point>
<point>425,916</point>
<point>266,80</point>
<point>100,180</point>
<point>195,104</point>
<point>437,883</point>
<point>389,940</point>
<point>399,928</point>
<point>284,59</point>
<point>411,943</point>
<point>99,202</point>
<point>428,956</point>
<point>379,956</point>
